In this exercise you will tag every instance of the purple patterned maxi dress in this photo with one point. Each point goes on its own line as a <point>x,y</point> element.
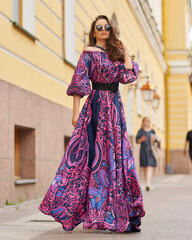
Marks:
<point>96,182</point>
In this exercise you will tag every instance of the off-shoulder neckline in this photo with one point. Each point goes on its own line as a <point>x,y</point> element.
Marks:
<point>93,51</point>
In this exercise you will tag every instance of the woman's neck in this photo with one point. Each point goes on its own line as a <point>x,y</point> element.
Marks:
<point>101,43</point>
<point>146,127</point>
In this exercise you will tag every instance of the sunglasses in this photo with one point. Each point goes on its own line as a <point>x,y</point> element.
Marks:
<point>107,27</point>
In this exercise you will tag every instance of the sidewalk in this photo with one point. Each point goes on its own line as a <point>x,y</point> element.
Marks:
<point>168,216</point>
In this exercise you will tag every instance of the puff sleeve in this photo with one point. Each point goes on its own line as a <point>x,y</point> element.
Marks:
<point>128,75</point>
<point>139,135</point>
<point>80,83</point>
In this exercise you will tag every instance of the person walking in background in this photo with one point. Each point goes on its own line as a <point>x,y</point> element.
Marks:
<point>96,182</point>
<point>147,160</point>
<point>188,144</point>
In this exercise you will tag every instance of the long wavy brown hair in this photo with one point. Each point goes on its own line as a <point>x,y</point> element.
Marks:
<point>114,46</point>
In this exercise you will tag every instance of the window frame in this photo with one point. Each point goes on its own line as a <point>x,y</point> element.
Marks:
<point>17,20</point>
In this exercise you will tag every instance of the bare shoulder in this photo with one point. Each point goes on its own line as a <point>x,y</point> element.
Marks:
<point>89,48</point>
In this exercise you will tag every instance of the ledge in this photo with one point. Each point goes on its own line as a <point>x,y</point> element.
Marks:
<point>139,115</point>
<point>25,181</point>
<point>24,30</point>
<point>140,8</point>
<point>66,61</point>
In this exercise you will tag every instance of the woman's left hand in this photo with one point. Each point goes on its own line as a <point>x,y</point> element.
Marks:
<point>123,45</point>
<point>153,137</point>
<point>128,61</point>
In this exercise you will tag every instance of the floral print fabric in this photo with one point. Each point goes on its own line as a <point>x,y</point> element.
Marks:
<point>96,182</point>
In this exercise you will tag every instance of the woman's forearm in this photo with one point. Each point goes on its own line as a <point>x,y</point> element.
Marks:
<point>127,59</point>
<point>139,140</point>
<point>128,62</point>
<point>76,103</point>
<point>185,146</point>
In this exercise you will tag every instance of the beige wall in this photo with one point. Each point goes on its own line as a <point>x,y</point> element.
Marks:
<point>179,94</point>
<point>38,66</point>
<point>51,124</point>
<point>34,78</point>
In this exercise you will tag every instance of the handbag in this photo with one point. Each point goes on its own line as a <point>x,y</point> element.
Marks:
<point>154,147</point>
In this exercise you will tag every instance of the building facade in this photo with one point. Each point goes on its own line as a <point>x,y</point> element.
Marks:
<point>178,87</point>
<point>39,48</point>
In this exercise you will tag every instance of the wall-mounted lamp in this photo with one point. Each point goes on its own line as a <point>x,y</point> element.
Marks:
<point>156,101</point>
<point>147,91</point>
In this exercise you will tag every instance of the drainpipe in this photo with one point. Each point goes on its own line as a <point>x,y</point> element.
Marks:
<point>167,137</point>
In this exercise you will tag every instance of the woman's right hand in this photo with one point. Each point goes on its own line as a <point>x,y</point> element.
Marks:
<point>75,119</point>
<point>143,138</point>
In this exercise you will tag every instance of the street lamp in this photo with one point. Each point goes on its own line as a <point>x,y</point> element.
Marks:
<point>147,91</point>
<point>156,101</point>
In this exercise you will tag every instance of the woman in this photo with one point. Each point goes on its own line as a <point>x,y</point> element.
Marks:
<point>147,160</point>
<point>188,141</point>
<point>96,182</point>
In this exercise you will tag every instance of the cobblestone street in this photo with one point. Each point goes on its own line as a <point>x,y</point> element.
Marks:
<point>168,216</point>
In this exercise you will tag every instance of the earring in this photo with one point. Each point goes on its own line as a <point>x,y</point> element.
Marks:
<point>93,36</point>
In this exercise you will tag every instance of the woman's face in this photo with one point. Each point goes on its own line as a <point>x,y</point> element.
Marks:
<point>147,122</point>
<point>103,34</point>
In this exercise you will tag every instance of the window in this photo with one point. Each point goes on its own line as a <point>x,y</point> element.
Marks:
<point>139,99</point>
<point>69,45</point>
<point>16,11</point>
<point>152,110</point>
<point>114,19</point>
<point>158,118</point>
<point>23,15</point>
<point>146,103</point>
<point>153,116</point>
<point>162,104</point>
<point>24,154</point>
<point>147,109</point>
<point>156,7</point>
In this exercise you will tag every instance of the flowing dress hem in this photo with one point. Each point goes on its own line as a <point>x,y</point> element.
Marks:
<point>99,225</point>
